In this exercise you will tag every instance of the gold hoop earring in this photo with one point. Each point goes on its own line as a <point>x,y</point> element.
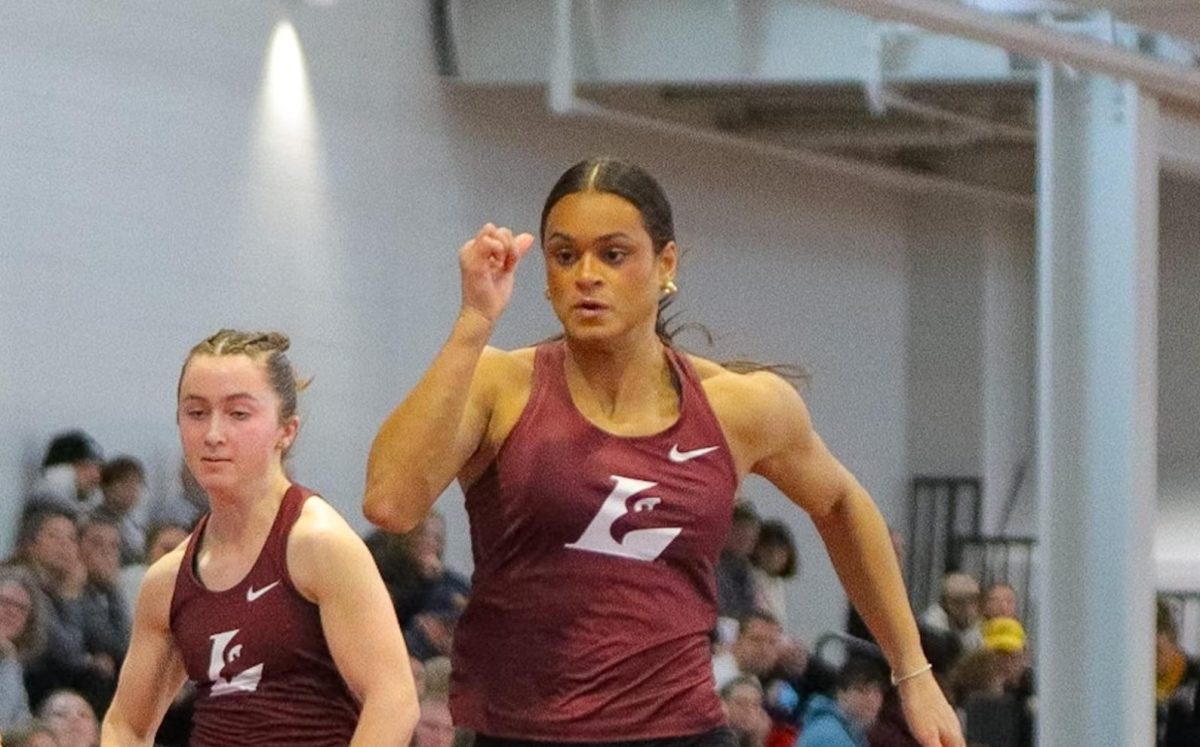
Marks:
<point>669,288</point>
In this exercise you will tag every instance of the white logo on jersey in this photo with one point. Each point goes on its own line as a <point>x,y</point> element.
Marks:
<point>245,681</point>
<point>638,544</point>
<point>679,457</point>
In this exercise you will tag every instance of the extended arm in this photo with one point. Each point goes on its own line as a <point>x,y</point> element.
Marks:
<point>428,438</point>
<point>788,452</point>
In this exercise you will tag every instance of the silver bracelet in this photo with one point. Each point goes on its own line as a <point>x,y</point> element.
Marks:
<point>915,673</point>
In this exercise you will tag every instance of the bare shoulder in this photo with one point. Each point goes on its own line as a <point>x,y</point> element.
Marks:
<point>749,392</point>
<point>501,366</point>
<point>318,524</point>
<point>322,544</point>
<point>508,378</point>
<point>758,410</point>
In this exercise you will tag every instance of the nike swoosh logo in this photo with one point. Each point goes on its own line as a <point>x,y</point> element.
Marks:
<point>252,593</point>
<point>686,456</point>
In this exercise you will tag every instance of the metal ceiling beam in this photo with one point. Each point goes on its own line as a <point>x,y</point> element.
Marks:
<point>1171,83</point>
<point>563,100</point>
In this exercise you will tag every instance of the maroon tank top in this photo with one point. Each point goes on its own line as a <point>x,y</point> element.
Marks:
<point>594,591</point>
<point>257,652</point>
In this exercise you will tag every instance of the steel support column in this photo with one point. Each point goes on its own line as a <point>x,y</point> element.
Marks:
<point>1097,377</point>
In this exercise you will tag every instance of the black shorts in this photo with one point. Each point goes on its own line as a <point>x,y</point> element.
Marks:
<point>722,736</point>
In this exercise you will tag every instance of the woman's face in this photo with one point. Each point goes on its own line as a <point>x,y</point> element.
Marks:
<point>602,274</point>
<point>15,608</point>
<point>229,422</point>
<point>55,547</point>
<point>72,720</point>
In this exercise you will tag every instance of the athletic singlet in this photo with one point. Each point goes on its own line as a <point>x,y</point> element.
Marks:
<point>257,652</point>
<point>594,589</point>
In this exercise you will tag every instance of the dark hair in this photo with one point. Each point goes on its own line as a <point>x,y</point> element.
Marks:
<point>121,467</point>
<point>70,447</point>
<point>744,512</point>
<point>860,672</point>
<point>32,521</point>
<point>634,185</point>
<point>268,347</point>
<point>775,533</point>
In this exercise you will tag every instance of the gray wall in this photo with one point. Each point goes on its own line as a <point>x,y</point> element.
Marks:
<point>144,203</point>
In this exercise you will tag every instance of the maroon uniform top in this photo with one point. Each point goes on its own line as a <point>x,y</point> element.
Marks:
<point>594,591</point>
<point>257,653</point>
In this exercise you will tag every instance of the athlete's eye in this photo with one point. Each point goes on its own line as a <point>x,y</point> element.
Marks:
<point>615,255</point>
<point>563,257</point>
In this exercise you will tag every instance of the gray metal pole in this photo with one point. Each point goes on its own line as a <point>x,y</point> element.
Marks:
<point>1097,378</point>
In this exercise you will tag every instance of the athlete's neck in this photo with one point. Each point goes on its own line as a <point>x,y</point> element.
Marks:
<point>248,510</point>
<point>621,379</point>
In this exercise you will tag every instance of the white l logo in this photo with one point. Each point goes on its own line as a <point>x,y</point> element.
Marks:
<point>245,681</point>
<point>638,544</point>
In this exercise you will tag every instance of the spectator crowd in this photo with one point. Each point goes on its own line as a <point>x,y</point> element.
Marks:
<point>84,542</point>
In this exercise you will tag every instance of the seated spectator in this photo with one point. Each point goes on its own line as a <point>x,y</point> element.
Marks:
<point>977,674</point>
<point>1177,685</point>
<point>22,636</point>
<point>122,482</point>
<point>70,473</point>
<point>48,547</point>
<point>754,652</point>
<point>34,734</point>
<point>844,720</point>
<point>1000,600</point>
<point>441,593</point>
<point>435,728</point>
<point>775,562</point>
<point>160,540</point>
<point>957,611</point>
<point>735,576</point>
<point>742,701</point>
<point>397,565</point>
<point>1005,638</point>
<point>71,719</point>
<point>106,617</point>
<point>428,597</point>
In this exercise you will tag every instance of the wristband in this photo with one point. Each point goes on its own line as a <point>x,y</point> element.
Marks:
<point>914,673</point>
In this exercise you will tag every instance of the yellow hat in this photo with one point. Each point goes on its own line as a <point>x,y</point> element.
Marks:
<point>1003,634</point>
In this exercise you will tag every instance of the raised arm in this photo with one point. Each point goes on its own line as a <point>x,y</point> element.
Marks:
<point>153,670</point>
<point>781,445</point>
<point>430,436</point>
<point>330,565</point>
